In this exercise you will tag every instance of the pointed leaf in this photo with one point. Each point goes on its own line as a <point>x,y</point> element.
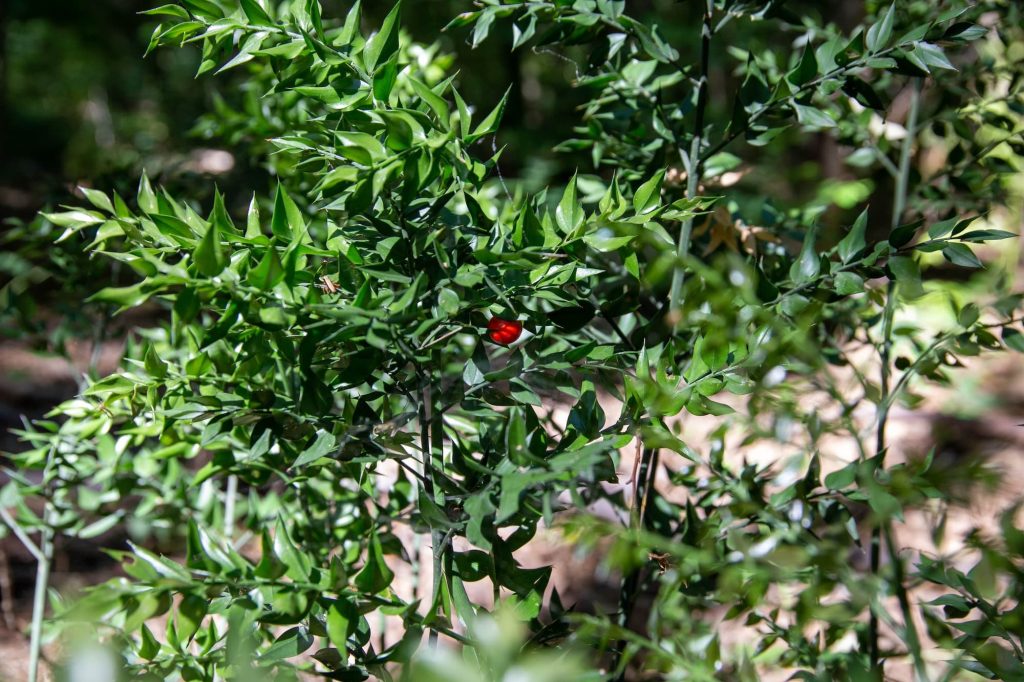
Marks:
<point>854,242</point>
<point>208,257</point>
<point>881,31</point>
<point>384,43</point>
<point>569,214</point>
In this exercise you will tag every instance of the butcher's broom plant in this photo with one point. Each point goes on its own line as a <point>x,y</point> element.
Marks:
<point>378,384</point>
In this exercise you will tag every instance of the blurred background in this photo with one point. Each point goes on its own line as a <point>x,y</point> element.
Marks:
<point>81,105</point>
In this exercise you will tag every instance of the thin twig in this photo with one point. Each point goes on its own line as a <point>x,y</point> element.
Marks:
<point>636,464</point>
<point>909,628</point>
<point>884,403</point>
<point>20,533</point>
<point>229,506</point>
<point>7,591</point>
<point>694,160</point>
<point>43,563</point>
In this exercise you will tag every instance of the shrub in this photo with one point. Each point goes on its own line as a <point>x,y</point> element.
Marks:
<point>329,381</point>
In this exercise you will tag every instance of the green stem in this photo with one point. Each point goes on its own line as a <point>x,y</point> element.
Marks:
<point>888,313</point>
<point>432,444</point>
<point>229,506</point>
<point>45,560</point>
<point>437,466</point>
<point>910,630</point>
<point>693,161</point>
<point>428,488</point>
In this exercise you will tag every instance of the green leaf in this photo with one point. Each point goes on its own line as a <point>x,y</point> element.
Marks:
<point>632,265</point>
<point>490,123</point>
<point>465,118</point>
<point>270,566</point>
<point>880,33</point>
<point>208,257</point>
<point>255,13</point>
<point>942,228</point>
<point>126,297</point>
<point>433,100</point>
<point>848,283</point>
<point>907,273</point>
<point>290,644</point>
<point>521,36</point>
<point>884,504</point>
<point>268,273</point>
<point>219,215</point>
<point>376,575</point>
<point>297,561</point>
<point>154,364</point>
<point>482,25</point>
<point>569,214</point>
<point>204,8</point>
<point>853,242</point>
<point>515,434</point>
<point>324,444</point>
<point>721,162</point>
<point>979,236</point>
<point>968,315</point>
<point>862,91</point>
<point>99,527</point>
<point>342,617</point>
<point>150,646</point>
<point>350,30</point>
<point>961,254</point>
<point>700,406</point>
<point>252,220</point>
<point>315,16</point>
<point>603,243</point>
<point>1013,339</point>
<point>384,79</point>
<point>167,10</point>
<point>190,614</point>
<point>807,69</point>
<point>287,222</point>
<point>73,219</point>
<point>807,265</point>
<point>932,56</point>
<point>449,302</point>
<point>97,199</point>
<point>648,195</point>
<point>431,513</point>
<point>813,118</point>
<point>480,510</point>
<point>384,43</point>
<point>174,227</point>
<point>472,375</point>
<point>146,196</point>
<point>842,478</point>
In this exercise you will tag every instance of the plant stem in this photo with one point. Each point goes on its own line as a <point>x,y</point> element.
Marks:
<point>910,630</point>
<point>432,443</point>
<point>693,161</point>
<point>888,313</point>
<point>20,533</point>
<point>229,506</point>
<point>428,488</point>
<point>43,564</point>
<point>437,468</point>
<point>631,582</point>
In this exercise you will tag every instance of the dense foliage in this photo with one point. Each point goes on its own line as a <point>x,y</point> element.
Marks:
<point>324,398</point>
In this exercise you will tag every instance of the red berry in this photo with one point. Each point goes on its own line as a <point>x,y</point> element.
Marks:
<point>504,331</point>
